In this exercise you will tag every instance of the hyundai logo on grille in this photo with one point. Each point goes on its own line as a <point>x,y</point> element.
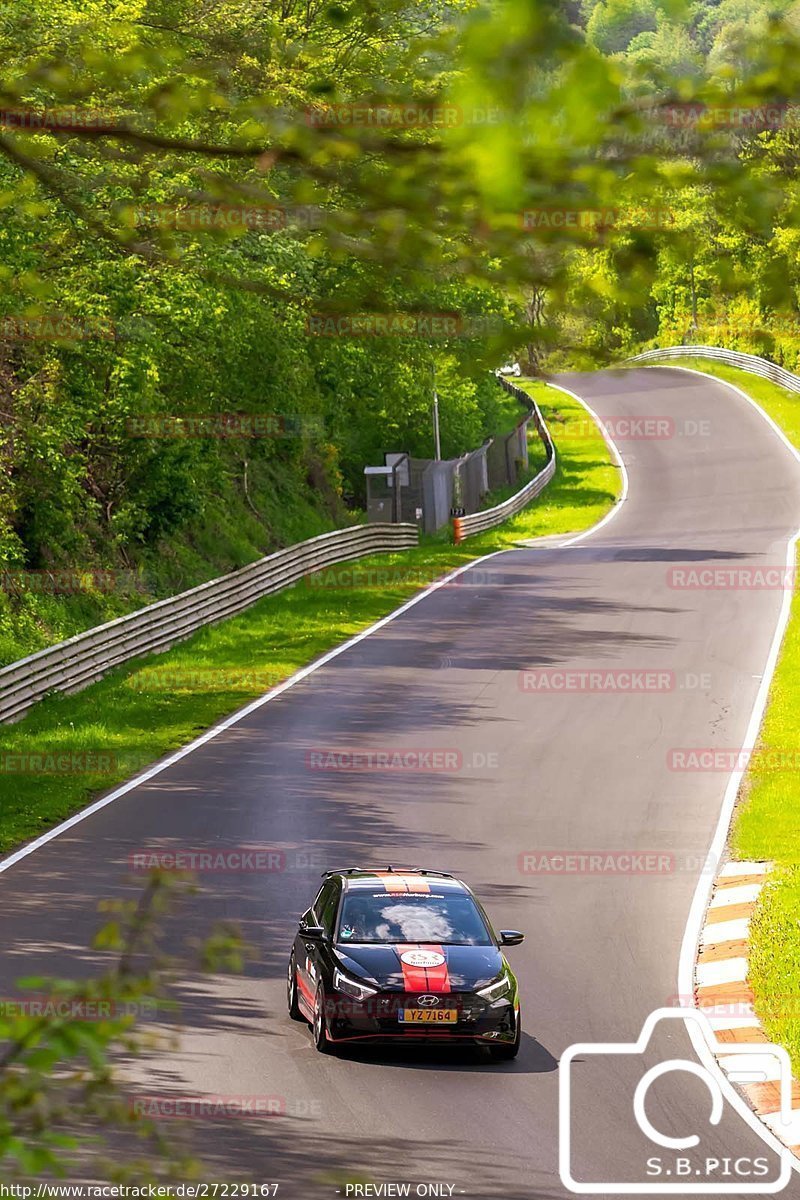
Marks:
<point>427,1001</point>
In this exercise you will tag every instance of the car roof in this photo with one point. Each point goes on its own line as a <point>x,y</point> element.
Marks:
<point>397,879</point>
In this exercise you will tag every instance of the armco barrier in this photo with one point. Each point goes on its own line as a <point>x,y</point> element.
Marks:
<point>731,358</point>
<point>464,527</point>
<point>71,665</point>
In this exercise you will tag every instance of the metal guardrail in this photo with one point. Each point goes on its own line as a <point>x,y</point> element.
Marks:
<point>464,527</point>
<point>71,665</point>
<point>731,358</point>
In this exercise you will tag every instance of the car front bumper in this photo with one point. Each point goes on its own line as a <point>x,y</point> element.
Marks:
<point>377,1019</point>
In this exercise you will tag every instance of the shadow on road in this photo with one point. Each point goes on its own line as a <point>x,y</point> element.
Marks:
<point>533,1058</point>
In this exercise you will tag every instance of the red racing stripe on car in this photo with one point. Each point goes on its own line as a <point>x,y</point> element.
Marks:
<point>394,882</point>
<point>438,977</point>
<point>424,979</point>
<point>308,995</point>
<point>414,978</point>
<point>415,883</point>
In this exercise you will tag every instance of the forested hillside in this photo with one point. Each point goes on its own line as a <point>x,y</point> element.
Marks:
<point>725,264</point>
<point>297,215</point>
<point>141,284</point>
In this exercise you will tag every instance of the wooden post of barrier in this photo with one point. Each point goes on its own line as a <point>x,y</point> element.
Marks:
<point>458,535</point>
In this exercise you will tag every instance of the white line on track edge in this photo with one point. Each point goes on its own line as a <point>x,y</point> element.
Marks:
<point>235,717</point>
<point>702,895</point>
<point>623,496</point>
<point>254,705</point>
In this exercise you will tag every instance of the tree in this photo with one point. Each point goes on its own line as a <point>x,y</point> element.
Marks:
<point>615,23</point>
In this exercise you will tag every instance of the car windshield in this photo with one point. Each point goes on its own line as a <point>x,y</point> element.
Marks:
<point>375,917</point>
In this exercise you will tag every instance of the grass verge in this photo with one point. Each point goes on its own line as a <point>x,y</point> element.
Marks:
<point>537,459</point>
<point>767,820</point>
<point>71,747</point>
<point>224,535</point>
<point>250,508</point>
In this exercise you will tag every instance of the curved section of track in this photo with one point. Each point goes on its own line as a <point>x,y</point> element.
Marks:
<point>586,769</point>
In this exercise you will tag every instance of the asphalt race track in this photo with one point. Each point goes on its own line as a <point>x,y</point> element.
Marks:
<point>537,771</point>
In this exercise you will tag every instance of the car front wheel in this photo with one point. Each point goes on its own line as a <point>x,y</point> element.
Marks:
<point>504,1051</point>
<point>291,991</point>
<point>318,1027</point>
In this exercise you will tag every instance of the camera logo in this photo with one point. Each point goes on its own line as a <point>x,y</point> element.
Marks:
<point>670,1167</point>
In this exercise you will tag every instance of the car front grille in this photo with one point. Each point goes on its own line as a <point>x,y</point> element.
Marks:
<point>469,1006</point>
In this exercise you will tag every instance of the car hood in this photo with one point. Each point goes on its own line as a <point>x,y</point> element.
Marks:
<point>465,968</point>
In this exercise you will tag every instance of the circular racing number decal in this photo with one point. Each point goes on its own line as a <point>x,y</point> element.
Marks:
<point>422,958</point>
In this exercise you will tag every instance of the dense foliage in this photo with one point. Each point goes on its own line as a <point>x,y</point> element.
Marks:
<point>297,214</point>
<point>724,270</point>
<point>228,208</point>
<point>145,278</point>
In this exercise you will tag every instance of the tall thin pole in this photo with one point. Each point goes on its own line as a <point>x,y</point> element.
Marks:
<point>436,439</point>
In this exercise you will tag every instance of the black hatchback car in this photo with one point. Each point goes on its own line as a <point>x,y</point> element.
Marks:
<point>402,955</point>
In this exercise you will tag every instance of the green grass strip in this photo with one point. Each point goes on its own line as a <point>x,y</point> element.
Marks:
<point>142,710</point>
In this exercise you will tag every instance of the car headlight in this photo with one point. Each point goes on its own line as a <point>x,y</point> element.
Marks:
<point>359,991</point>
<point>497,990</point>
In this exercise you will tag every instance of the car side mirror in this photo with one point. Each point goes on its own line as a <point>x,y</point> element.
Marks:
<point>511,937</point>
<point>314,933</point>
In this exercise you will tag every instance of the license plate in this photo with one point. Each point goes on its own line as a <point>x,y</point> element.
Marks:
<point>427,1016</point>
